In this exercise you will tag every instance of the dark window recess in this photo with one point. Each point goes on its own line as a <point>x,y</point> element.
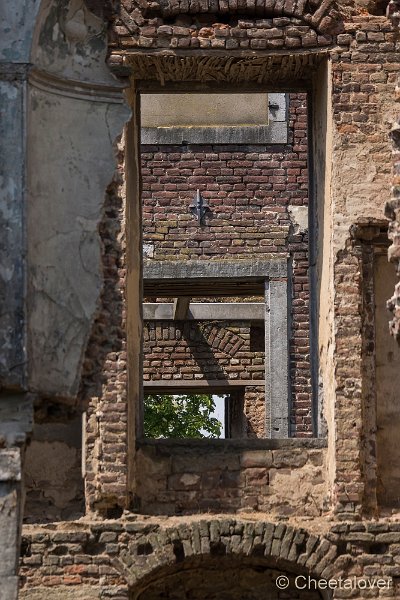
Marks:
<point>257,338</point>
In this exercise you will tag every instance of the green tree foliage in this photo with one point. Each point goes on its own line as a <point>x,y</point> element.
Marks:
<point>183,416</point>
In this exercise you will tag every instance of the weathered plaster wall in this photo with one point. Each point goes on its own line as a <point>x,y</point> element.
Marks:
<point>38,162</point>
<point>12,216</point>
<point>15,422</point>
<point>72,92</point>
<point>64,248</point>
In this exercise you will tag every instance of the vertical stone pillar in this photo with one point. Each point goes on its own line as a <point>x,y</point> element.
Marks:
<point>349,483</point>
<point>276,358</point>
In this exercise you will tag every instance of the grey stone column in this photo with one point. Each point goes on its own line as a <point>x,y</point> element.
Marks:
<point>12,224</point>
<point>276,358</point>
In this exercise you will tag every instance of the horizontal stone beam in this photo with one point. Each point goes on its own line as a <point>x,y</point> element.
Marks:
<point>175,385</point>
<point>218,269</point>
<point>274,133</point>
<point>207,311</point>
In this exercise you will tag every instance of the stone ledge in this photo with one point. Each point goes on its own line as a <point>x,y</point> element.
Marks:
<point>224,446</point>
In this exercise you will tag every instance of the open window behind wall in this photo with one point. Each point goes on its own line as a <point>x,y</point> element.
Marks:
<point>193,414</point>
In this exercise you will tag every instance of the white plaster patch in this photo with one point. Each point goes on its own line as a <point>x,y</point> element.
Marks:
<point>299,218</point>
<point>148,250</point>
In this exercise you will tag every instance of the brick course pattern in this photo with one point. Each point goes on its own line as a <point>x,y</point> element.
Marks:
<point>222,25</point>
<point>189,480</point>
<point>364,65</point>
<point>209,350</point>
<point>104,379</point>
<point>117,558</point>
<point>143,557</point>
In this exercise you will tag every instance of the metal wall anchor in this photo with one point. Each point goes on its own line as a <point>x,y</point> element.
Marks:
<point>199,208</point>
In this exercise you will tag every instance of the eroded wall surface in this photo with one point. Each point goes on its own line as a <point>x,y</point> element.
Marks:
<point>146,559</point>
<point>43,47</point>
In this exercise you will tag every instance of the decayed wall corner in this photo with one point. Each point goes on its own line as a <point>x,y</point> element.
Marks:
<point>77,112</point>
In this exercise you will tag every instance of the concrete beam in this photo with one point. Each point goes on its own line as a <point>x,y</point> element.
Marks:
<point>175,385</point>
<point>274,133</point>
<point>197,311</point>
<point>218,269</point>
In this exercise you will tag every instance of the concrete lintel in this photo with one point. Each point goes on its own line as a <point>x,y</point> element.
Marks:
<point>220,311</point>
<point>190,384</point>
<point>208,445</point>
<point>274,133</point>
<point>276,359</point>
<point>218,269</point>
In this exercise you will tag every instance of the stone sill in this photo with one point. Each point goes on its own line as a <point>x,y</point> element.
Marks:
<point>226,445</point>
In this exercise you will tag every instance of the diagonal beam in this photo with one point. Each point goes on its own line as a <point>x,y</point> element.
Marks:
<point>181,308</point>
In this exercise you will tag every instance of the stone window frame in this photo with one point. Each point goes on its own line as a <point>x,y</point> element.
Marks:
<point>275,132</point>
<point>274,273</point>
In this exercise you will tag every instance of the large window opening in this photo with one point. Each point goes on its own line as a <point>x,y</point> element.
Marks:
<point>224,190</point>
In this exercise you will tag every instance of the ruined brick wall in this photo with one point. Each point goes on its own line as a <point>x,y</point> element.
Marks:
<point>189,479</point>
<point>258,198</point>
<point>220,26</point>
<point>115,559</point>
<point>364,73</point>
<point>393,205</point>
<point>364,67</point>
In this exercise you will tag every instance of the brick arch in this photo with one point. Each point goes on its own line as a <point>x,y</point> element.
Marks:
<point>214,334</point>
<point>225,341</point>
<point>321,15</point>
<point>278,546</point>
